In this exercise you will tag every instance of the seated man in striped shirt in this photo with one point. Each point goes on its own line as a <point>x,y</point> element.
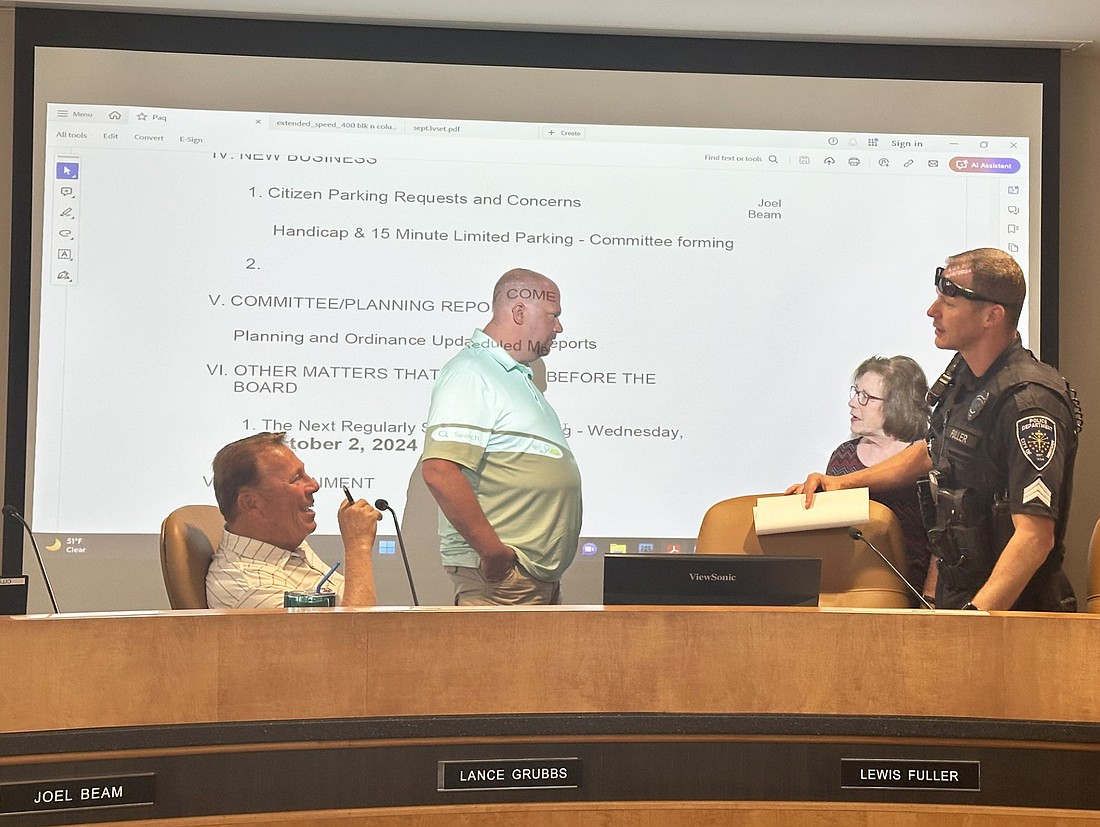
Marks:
<point>266,497</point>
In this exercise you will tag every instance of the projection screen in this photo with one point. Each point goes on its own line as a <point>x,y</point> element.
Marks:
<point>223,244</point>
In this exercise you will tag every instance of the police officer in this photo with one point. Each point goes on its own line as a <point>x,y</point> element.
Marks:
<point>1000,449</point>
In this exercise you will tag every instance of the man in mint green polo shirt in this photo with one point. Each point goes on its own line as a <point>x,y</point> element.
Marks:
<point>496,460</point>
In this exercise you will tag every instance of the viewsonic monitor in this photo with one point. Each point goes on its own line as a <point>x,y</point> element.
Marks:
<point>710,580</point>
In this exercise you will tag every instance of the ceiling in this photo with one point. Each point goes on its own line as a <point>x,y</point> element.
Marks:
<point>1064,23</point>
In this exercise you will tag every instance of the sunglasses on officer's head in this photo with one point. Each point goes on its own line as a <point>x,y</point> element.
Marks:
<point>948,288</point>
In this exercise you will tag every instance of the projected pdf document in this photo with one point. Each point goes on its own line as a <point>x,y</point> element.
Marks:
<point>211,274</point>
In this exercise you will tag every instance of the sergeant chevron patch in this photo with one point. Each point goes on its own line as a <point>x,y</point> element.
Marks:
<point>1037,491</point>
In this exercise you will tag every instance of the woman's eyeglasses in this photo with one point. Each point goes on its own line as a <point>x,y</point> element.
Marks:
<point>863,397</point>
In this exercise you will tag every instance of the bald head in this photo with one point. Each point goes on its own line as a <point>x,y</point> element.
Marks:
<point>520,285</point>
<point>526,307</point>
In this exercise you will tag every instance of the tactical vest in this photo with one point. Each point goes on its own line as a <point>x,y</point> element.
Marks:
<point>973,518</point>
<point>962,458</point>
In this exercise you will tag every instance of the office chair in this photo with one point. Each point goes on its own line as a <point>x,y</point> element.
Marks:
<point>852,575</point>
<point>1092,602</point>
<point>188,538</point>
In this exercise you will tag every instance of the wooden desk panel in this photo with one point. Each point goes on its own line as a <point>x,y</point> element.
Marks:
<point>745,703</point>
<point>671,814</point>
<point>193,667</point>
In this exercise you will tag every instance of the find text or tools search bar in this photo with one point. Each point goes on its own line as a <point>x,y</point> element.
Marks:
<point>750,158</point>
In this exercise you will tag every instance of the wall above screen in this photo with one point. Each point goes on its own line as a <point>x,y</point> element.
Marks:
<point>1067,25</point>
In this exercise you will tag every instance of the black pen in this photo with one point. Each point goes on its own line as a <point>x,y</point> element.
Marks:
<point>347,494</point>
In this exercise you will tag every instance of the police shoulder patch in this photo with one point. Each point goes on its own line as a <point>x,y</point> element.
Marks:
<point>1038,439</point>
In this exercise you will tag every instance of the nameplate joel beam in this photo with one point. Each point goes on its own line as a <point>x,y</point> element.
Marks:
<point>77,793</point>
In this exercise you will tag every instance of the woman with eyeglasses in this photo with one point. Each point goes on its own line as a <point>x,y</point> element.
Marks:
<point>888,413</point>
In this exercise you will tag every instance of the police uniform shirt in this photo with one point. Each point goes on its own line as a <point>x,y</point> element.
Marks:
<point>993,437</point>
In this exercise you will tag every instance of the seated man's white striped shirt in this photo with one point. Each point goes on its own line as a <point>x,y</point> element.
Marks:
<point>250,574</point>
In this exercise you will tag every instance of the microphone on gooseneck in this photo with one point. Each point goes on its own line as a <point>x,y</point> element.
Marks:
<point>856,534</point>
<point>382,505</point>
<point>11,511</point>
